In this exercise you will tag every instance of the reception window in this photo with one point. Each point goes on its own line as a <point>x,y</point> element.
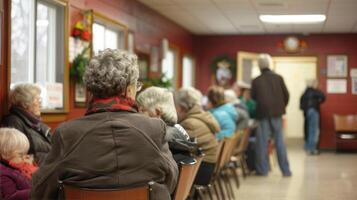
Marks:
<point>38,48</point>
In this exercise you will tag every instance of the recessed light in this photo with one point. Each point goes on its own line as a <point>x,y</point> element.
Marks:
<point>292,19</point>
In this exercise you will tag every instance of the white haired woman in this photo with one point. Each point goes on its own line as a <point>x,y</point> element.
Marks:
<point>159,102</point>
<point>16,166</point>
<point>113,145</point>
<point>25,116</point>
<point>201,125</point>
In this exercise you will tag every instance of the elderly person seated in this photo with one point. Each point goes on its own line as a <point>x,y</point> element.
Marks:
<point>113,145</point>
<point>201,125</point>
<point>243,119</point>
<point>16,166</point>
<point>159,102</point>
<point>25,116</point>
<point>225,113</point>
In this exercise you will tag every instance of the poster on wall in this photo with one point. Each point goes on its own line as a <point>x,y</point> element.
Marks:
<point>354,85</point>
<point>336,86</point>
<point>337,66</point>
<point>353,73</point>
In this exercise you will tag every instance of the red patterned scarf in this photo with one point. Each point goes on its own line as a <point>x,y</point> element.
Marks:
<point>111,104</point>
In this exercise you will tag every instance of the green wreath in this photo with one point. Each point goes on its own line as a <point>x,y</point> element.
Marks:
<point>224,58</point>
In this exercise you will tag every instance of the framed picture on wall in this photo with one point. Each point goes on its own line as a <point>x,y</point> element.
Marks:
<point>354,85</point>
<point>337,66</point>
<point>336,86</point>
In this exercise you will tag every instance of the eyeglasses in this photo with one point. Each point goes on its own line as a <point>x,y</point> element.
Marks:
<point>139,85</point>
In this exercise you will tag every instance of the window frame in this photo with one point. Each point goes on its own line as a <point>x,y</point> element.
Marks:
<point>177,66</point>
<point>193,81</point>
<point>112,24</point>
<point>51,115</point>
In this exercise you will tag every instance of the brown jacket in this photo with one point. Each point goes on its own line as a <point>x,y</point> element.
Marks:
<point>203,126</point>
<point>108,150</point>
<point>271,94</point>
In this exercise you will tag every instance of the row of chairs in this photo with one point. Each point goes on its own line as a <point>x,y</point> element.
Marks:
<point>230,154</point>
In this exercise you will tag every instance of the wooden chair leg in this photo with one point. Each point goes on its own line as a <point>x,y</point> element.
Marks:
<point>215,187</point>
<point>243,168</point>
<point>209,192</point>
<point>229,185</point>
<point>199,191</point>
<point>236,177</point>
<point>221,188</point>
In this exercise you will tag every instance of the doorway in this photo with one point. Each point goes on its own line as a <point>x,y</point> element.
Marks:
<point>295,71</point>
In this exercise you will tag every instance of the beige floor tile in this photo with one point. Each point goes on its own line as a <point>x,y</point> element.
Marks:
<point>329,176</point>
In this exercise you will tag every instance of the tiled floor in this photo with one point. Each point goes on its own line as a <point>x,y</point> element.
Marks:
<point>329,176</point>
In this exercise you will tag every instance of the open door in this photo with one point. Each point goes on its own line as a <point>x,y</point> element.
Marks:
<point>247,66</point>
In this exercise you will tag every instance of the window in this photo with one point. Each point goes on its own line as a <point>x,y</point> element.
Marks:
<point>37,48</point>
<point>107,34</point>
<point>188,72</point>
<point>169,66</point>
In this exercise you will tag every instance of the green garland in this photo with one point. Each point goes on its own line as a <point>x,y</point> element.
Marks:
<point>232,63</point>
<point>79,65</point>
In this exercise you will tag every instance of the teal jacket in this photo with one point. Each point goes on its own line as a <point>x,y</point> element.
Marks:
<point>226,115</point>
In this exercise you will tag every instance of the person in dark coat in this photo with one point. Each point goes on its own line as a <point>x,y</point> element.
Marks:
<point>271,95</point>
<point>310,103</point>
<point>25,116</point>
<point>16,167</point>
<point>112,146</point>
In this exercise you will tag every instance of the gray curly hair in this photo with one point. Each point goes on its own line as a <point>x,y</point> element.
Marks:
<point>110,72</point>
<point>159,98</point>
<point>188,97</point>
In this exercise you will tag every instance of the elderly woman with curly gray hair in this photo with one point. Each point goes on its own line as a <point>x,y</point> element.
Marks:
<point>25,116</point>
<point>113,145</point>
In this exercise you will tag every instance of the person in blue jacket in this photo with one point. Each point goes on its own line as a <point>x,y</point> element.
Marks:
<point>224,113</point>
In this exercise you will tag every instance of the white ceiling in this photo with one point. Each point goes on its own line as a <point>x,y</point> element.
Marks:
<point>242,16</point>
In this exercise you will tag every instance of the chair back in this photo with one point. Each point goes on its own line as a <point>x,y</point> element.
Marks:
<point>244,141</point>
<point>187,175</point>
<point>345,123</point>
<point>229,147</point>
<point>219,158</point>
<point>135,193</point>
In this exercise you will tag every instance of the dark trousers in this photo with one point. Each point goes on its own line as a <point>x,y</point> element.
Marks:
<point>204,173</point>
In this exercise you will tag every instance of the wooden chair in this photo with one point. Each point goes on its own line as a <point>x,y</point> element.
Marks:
<point>200,189</point>
<point>346,132</point>
<point>227,153</point>
<point>134,193</point>
<point>239,153</point>
<point>187,175</point>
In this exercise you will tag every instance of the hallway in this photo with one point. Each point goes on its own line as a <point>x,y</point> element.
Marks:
<point>329,176</point>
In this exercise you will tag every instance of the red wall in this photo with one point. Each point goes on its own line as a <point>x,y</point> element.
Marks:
<point>4,17</point>
<point>149,29</point>
<point>209,47</point>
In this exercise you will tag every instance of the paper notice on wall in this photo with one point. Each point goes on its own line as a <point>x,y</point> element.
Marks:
<point>353,73</point>
<point>54,95</point>
<point>337,86</point>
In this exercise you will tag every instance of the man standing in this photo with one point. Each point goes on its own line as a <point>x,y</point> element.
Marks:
<point>272,96</point>
<point>310,103</point>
